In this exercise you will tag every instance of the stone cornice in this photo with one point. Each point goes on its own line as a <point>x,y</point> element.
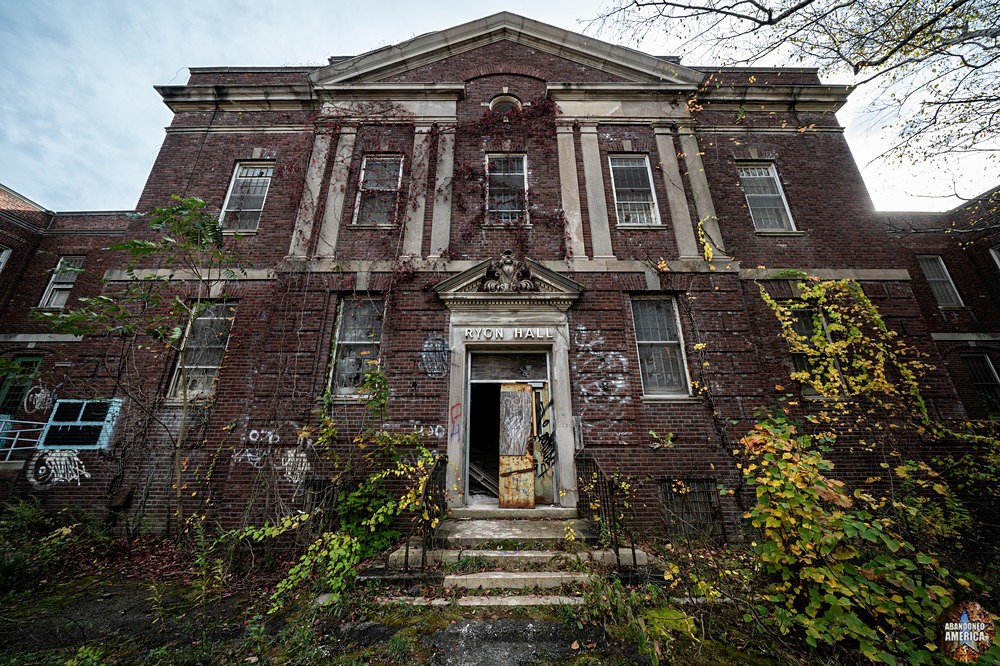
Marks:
<point>757,98</point>
<point>617,90</point>
<point>275,97</point>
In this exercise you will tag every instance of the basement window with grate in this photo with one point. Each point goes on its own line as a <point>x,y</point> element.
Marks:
<point>691,509</point>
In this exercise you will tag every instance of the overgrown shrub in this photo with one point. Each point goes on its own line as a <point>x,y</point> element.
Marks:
<point>839,570</point>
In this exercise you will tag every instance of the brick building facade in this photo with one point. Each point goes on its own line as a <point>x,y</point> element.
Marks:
<point>514,220</point>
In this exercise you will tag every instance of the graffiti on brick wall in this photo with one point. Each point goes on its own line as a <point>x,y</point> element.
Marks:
<point>49,468</point>
<point>427,430</point>
<point>39,399</point>
<point>435,356</point>
<point>253,457</point>
<point>292,462</point>
<point>295,465</point>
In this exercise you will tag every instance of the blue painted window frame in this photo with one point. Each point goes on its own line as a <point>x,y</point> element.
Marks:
<point>107,425</point>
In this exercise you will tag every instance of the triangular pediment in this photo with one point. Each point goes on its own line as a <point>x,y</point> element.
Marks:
<point>385,62</point>
<point>510,281</point>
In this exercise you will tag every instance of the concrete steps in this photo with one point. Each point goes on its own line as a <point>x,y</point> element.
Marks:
<point>512,555</point>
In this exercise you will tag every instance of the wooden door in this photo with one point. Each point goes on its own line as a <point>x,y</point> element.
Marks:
<point>517,460</point>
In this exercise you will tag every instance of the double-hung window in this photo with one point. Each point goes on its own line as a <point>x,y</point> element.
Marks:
<point>245,200</point>
<point>661,352</point>
<point>4,256</point>
<point>378,189</point>
<point>80,424</point>
<point>61,283</point>
<point>765,199</point>
<point>995,253</point>
<point>635,201</point>
<point>506,189</point>
<point>940,280</point>
<point>16,383</point>
<point>984,378</point>
<point>204,347</point>
<point>804,324</point>
<point>356,347</point>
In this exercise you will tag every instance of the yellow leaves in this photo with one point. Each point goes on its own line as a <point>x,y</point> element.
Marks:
<point>902,471</point>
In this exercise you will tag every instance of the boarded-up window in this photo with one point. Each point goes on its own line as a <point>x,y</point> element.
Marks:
<point>509,367</point>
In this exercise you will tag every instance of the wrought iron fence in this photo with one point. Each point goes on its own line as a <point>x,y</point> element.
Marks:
<point>603,502</point>
<point>432,510</point>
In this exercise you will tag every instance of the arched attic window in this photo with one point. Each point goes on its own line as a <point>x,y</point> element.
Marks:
<point>504,103</point>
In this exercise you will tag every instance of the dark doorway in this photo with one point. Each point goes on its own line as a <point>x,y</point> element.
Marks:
<point>484,439</point>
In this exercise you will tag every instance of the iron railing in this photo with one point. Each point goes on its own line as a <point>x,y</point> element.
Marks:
<point>603,502</point>
<point>18,436</point>
<point>433,509</point>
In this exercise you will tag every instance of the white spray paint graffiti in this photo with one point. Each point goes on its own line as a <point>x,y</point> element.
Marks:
<point>38,399</point>
<point>253,457</point>
<point>437,431</point>
<point>268,436</point>
<point>47,468</point>
<point>435,357</point>
<point>293,463</point>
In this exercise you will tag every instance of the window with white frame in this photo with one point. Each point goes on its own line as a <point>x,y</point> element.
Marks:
<point>506,189</point>
<point>635,201</point>
<point>245,199</point>
<point>61,283</point>
<point>203,348</point>
<point>995,252</point>
<point>80,424</point>
<point>939,280</point>
<point>5,253</point>
<point>356,347</point>
<point>984,378</point>
<point>378,189</point>
<point>661,353</point>
<point>765,198</point>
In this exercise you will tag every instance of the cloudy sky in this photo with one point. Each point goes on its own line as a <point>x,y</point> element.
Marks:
<point>80,123</point>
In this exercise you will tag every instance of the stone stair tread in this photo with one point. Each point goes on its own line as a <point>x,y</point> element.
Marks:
<point>474,532</point>
<point>514,557</point>
<point>513,579</point>
<point>472,600</point>
<point>479,512</point>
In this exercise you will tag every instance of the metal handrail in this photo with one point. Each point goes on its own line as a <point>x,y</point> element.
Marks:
<point>18,436</point>
<point>598,495</point>
<point>433,508</point>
